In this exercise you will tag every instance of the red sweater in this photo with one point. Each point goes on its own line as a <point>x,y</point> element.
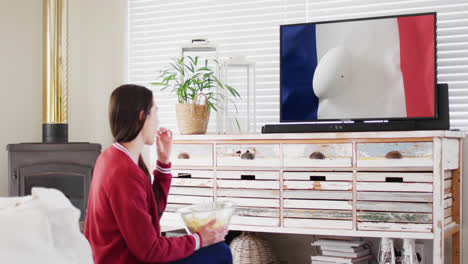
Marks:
<point>122,223</point>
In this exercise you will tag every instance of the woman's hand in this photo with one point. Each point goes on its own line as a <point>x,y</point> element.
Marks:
<point>164,145</point>
<point>210,235</point>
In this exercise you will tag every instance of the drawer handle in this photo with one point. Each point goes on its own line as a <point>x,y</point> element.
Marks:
<point>394,155</point>
<point>248,155</point>
<point>184,175</point>
<point>394,179</point>
<point>248,177</point>
<point>183,155</point>
<point>318,178</point>
<point>317,155</point>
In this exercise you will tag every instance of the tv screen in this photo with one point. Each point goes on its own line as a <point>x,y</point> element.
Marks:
<point>360,69</point>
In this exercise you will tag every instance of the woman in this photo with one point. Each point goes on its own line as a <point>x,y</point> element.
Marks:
<point>122,220</point>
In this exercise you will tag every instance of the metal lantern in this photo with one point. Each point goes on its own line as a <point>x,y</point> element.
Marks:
<point>238,115</point>
<point>196,46</point>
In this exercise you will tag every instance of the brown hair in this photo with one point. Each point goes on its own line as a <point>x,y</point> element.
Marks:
<point>126,103</point>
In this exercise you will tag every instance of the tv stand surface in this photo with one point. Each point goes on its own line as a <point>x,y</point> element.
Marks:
<point>348,188</point>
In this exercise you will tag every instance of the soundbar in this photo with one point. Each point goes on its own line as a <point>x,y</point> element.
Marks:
<point>338,127</point>
<point>441,122</point>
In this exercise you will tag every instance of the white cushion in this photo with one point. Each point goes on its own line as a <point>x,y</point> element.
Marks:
<point>41,228</point>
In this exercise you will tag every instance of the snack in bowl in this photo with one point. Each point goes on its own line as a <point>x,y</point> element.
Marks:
<point>198,215</point>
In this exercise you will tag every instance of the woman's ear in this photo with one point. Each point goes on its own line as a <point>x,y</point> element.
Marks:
<point>140,115</point>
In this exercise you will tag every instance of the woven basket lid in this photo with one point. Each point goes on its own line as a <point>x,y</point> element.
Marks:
<point>249,248</point>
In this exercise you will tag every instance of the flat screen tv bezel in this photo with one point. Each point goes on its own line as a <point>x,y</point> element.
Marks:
<point>360,119</point>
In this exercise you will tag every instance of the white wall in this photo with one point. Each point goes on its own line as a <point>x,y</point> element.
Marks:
<point>21,77</point>
<point>97,66</point>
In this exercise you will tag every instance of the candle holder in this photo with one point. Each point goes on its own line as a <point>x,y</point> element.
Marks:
<point>239,114</point>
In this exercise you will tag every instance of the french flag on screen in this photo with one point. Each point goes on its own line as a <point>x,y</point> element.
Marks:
<point>376,68</point>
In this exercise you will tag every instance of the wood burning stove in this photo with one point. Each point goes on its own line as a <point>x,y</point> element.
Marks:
<point>66,167</point>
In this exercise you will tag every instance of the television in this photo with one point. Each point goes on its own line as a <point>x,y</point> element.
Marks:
<point>368,70</point>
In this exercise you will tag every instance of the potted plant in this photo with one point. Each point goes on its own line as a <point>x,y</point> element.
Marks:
<point>189,79</point>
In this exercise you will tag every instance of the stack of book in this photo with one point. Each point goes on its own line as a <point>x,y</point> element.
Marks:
<point>342,251</point>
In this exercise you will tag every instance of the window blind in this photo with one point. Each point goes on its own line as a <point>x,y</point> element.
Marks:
<point>158,29</point>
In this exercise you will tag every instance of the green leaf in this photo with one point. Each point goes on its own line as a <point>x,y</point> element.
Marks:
<point>191,59</point>
<point>181,60</point>
<point>238,125</point>
<point>218,82</point>
<point>205,69</point>
<point>211,105</point>
<point>177,67</point>
<point>158,83</point>
<point>233,91</point>
<point>190,67</point>
<point>234,104</point>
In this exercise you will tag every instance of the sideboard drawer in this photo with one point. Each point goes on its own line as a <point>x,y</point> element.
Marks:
<point>192,178</point>
<point>411,155</point>
<point>248,155</point>
<point>192,155</point>
<point>318,181</point>
<point>187,187</point>
<point>255,193</point>
<point>318,176</point>
<point>394,182</point>
<point>394,201</point>
<point>318,155</point>
<point>318,200</point>
<point>192,174</point>
<point>190,187</point>
<point>248,175</point>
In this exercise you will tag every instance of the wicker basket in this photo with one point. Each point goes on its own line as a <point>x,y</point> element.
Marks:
<point>249,248</point>
<point>193,118</point>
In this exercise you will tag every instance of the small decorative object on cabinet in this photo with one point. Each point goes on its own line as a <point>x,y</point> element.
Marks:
<point>239,72</point>
<point>354,188</point>
<point>188,78</point>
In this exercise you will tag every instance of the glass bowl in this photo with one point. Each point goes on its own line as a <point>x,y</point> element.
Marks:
<point>198,215</point>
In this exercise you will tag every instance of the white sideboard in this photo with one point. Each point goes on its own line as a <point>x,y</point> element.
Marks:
<point>369,184</point>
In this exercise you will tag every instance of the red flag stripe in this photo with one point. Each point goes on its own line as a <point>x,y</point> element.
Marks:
<point>417,64</point>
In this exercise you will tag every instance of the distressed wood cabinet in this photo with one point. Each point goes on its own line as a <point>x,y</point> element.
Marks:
<point>367,184</point>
